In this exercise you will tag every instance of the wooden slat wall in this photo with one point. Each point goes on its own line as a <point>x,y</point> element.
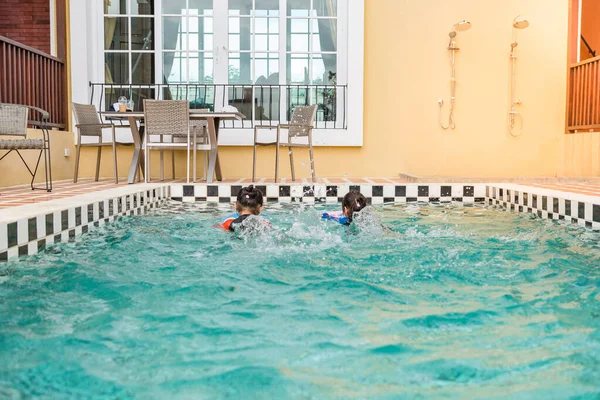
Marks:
<point>583,113</point>
<point>34,78</point>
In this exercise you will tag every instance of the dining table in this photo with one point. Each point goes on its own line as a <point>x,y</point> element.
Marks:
<point>134,118</point>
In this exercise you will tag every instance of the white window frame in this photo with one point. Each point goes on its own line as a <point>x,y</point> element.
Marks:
<point>89,66</point>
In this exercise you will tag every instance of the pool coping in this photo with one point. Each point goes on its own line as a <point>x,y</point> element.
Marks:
<point>376,193</point>
<point>29,229</point>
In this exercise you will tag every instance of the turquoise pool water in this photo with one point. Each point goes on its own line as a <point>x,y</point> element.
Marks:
<point>452,303</point>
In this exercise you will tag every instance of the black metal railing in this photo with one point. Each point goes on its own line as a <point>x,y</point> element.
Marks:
<point>261,104</point>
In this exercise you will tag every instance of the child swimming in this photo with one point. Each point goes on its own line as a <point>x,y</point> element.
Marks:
<point>249,203</point>
<point>352,203</point>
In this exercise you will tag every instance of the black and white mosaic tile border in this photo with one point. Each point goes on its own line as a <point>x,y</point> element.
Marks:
<point>547,204</point>
<point>28,236</point>
<point>321,193</point>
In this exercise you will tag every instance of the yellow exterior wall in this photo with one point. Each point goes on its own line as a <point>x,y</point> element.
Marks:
<point>407,69</point>
<point>582,155</point>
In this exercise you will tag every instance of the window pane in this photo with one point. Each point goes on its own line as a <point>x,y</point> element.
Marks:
<point>234,25</point>
<point>201,68</point>
<point>324,35</point>
<point>297,68</point>
<point>298,42</point>
<point>117,67</point>
<point>260,43</point>
<point>174,67</point>
<point>115,7</point>
<point>116,35</point>
<point>208,42</point>
<point>267,70</point>
<point>273,43</point>
<point>142,33</point>
<point>324,69</point>
<point>240,68</point>
<point>142,7</point>
<point>273,25</point>
<point>142,70</point>
<point>234,42</point>
<point>173,7</point>
<point>261,25</point>
<point>298,25</point>
<point>208,25</point>
<point>298,8</point>
<point>325,8</point>
<point>172,35</point>
<point>200,7</point>
<point>240,7</point>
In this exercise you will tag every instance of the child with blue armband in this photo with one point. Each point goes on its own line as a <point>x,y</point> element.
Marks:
<point>352,203</point>
<point>249,203</point>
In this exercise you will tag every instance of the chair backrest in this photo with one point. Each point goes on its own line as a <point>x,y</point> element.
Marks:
<point>86,114</point>
<point>302,115</point>
<point>13,120</point>
<point>167,117</point>
<point>199,124</point>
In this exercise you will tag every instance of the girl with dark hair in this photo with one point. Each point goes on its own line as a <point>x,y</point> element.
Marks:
<point>249,202</point>
<point>352,203</point>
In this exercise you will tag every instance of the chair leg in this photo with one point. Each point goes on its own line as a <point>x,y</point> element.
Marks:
<point>312,164</point>
<point>195,139</point>
<point>187,178</point>
<point>114,146</point>
<point>292,164</point>
<point>254,165</point>
<point>162,165</point>
<point>49,165</point>
<point>77,154</point>
<point>146,164</point>
<point>37,164</point>
<point>98,161</point>
<point>173,164</point>
<point>277,156</point>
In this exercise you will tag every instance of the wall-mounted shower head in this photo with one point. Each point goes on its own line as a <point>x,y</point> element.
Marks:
<point>462,26</point>
<point>452,34</point>
<point>520,23</point>
<point>513,45</point>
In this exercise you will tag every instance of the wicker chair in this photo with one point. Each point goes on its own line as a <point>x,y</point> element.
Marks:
<point>14,119</point>
<point>88,124</point>
<point>300,126</point>
<point>199,133</point>
<point>170,118</point>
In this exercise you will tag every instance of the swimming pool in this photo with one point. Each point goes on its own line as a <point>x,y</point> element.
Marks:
<point>454,302</point>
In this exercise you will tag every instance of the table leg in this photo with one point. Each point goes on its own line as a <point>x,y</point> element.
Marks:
<point>212,156</point>
<point>138,152</point>
<point>217,123</point>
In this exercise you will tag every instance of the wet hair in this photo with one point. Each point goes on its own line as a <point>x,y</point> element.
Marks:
<point>249,198</point>
<point>354,201</point>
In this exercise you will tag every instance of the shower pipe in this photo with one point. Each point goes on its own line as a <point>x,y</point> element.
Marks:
<point>460,26</point>
<point>513,114</point>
